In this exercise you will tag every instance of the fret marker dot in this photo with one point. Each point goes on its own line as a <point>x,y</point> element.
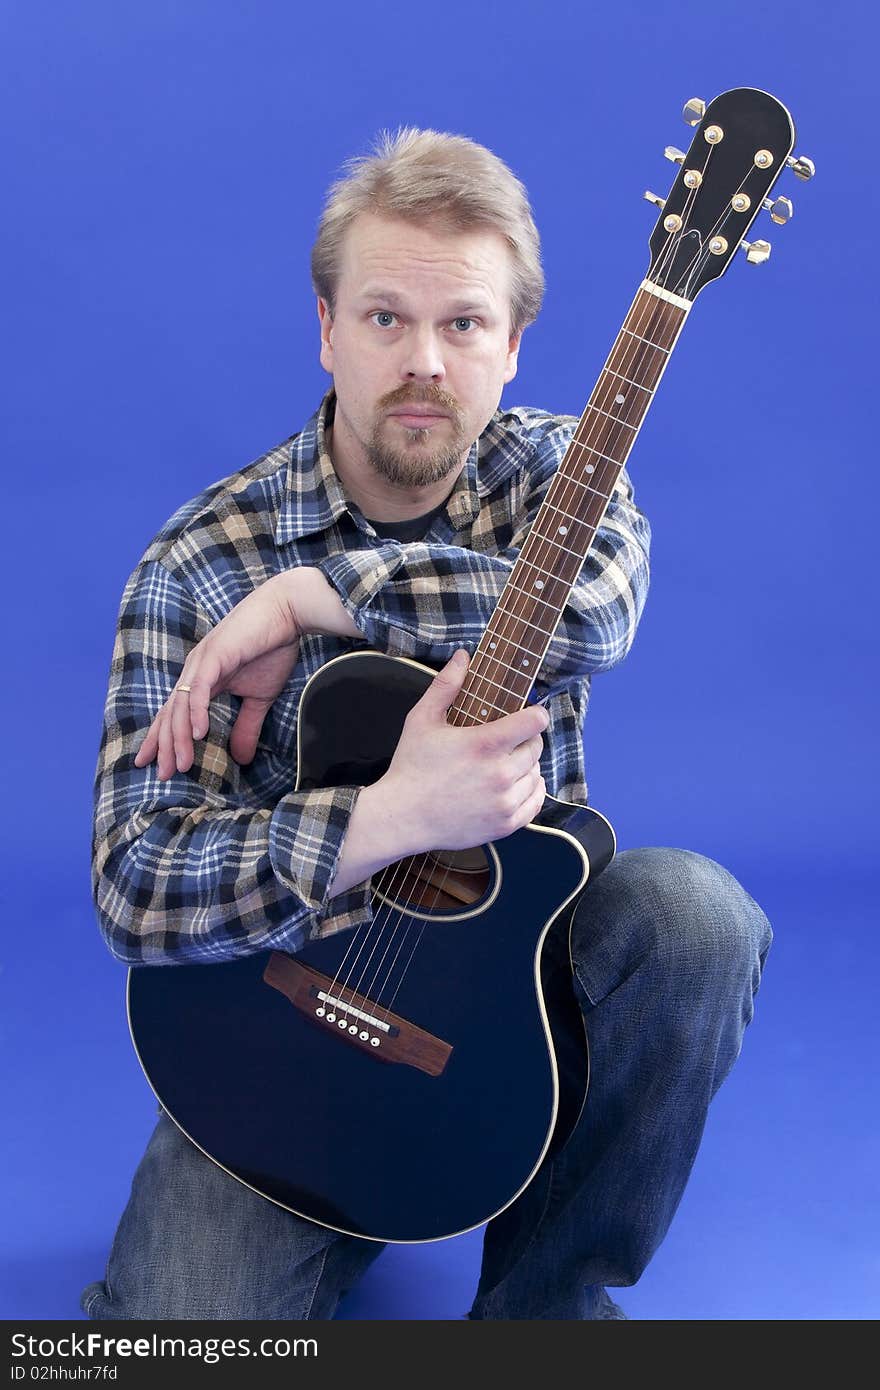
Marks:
<point>492,646</point>
<point>525,661</point>
<point>539,583</point>
<point>590,468</point>
<point>484,711</point>
<point>563,530</point>
<point>619,400</point>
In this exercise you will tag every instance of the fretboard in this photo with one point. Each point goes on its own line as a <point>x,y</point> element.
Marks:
<point>530,606</point>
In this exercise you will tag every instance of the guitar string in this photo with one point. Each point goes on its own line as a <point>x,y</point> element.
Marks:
<point>564,484</point>
<point>730,211</point>
<point>687,276</point>
<point>361,938</point>
<point>404,866</point>
<point>481,698</point>
<point>700,258</point>
<point>689,272</point>
<point>667,254</point>
<point>645,322</point>
<point>668,251</point>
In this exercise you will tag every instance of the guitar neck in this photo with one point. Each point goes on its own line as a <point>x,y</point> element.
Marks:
<point>508,657</point>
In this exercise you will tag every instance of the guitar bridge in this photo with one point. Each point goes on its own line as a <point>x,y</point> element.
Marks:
<point>354,1018</point>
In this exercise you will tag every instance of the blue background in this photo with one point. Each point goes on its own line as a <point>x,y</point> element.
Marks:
<point>163,171</point>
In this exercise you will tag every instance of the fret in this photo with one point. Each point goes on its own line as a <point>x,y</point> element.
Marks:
<point>611,392</point>
<point>654,318</point>
<point>464,695</point>
<point>517,618</point>
<point>646,341</point>
<point>487,654</point>
<point>540,538</point>
<point>519,650</point>
<point>523,560</point>
<point>535,599</point>
<point>497,684</point>
<point>526,593</point>
<point>643,304</point>
<point>551,507</point>
<point>618,463</point>
<point>658,317</point>
<point>537,655</point>
<point>636,384</point>
<point>616,418</point>
<point>595,491</point>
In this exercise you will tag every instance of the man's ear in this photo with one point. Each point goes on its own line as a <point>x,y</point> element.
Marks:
<point>512,355</point>
<point>326,320</point>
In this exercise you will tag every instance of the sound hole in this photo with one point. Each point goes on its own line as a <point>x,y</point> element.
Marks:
<point>442,881</point>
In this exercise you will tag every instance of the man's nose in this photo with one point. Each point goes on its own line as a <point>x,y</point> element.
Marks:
<point>423,356</point>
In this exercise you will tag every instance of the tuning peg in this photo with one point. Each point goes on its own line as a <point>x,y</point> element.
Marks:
<point>757,252</point>
<point>780,209</point>
<point>677,156</point>
<point>804,168</point>
<point>694,111</point>
<point>654,198</point>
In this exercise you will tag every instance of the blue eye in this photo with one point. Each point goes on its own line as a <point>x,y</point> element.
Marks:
<point>383,314</point>
<point>459,322</point>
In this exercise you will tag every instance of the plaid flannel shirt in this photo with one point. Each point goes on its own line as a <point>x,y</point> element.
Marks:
<point>224,860</point>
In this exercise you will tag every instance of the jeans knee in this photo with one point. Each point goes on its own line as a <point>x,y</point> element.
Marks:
<point>706,915</point>
<point>673,913</point>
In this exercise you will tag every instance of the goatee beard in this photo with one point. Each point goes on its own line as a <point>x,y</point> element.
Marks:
<point>417,469</point>
<point>406,470</point>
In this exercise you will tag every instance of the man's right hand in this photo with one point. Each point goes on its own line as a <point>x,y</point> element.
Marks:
<point>448,786</point>
<point>464,785</point>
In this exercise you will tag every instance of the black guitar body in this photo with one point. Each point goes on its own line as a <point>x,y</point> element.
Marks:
<point>316,1110</point>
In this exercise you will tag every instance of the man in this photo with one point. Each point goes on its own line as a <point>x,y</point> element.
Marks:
<point>393,520</point>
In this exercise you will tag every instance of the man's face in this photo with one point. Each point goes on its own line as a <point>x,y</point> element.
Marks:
<point>419,347</point>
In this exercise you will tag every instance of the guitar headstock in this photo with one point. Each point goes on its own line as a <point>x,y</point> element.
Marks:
<point>742,143</point>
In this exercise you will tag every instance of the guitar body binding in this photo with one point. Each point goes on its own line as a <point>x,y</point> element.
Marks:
<point>438,1124</point>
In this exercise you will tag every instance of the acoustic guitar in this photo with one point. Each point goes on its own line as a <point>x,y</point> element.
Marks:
<point>399,1081</point>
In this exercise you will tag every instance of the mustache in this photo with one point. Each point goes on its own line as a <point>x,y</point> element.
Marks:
<point>428,394</point>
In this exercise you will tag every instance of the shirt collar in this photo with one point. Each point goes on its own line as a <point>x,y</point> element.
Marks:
<point>314,497</point>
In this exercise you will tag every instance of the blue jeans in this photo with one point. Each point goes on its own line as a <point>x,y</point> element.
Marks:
<point>667,951</point>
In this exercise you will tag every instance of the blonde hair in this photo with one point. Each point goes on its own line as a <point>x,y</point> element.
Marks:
<point>426,175</point>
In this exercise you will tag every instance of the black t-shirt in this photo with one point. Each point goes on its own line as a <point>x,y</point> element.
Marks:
<point>410,530</point>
